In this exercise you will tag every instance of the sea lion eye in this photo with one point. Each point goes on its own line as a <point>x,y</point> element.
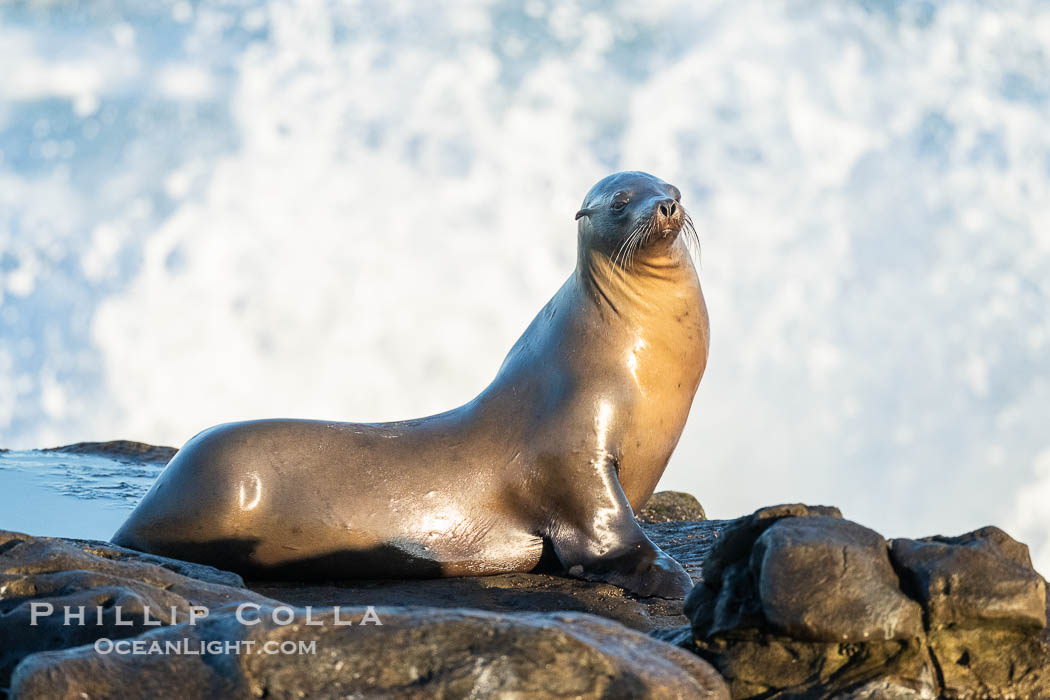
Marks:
<point>619,201</point>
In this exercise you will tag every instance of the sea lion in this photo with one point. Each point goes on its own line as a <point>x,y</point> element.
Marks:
<point>544,468</point>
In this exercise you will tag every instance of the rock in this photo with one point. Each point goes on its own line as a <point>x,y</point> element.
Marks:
<point>120,450</point>
<point>505,593</point>
<point>992,663</point>
<point>727,598</point>
<point>113,553</point>
<point>671,506</point>
<point>978,578</point>
<point>415,653</point>
<point>775,667</point>
<point>686,542</point>
<point>985,608</point>
<point>823,579</point>
<point>53,572</point>
<point>738,536</point>
<point>99,576</point>
<point>796,602</point>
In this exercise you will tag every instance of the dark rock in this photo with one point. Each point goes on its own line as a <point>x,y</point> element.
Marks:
<point>986,612</point>
<point>121,450</point>
<point>505,593</point>
<point>111,552</point>
<point>822,579</point>
<point>671,507</point>
<point>728,598</point>
<point>796,602</point>
<point>992,663</point>
<point>415,653</point>
<point>686,542</point>
<point>978,578</point>
<point>738,536</point>
<point>101,576</point>
<point>59,573</point>
<point>681,637</point>
<point>763,665</point>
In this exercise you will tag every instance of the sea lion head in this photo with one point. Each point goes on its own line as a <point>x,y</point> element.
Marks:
<point>630,213</point>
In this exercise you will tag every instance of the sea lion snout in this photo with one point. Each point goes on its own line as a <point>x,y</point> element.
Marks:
<point>668,208</point>
<point>668,215</point>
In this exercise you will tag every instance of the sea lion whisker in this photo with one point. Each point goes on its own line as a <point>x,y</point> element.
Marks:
<point>623,254</point>
<point>693,239</point>
<point>618,258</point>
<point>643,238</point>
<point>632,243</point>
<point>633,248</point>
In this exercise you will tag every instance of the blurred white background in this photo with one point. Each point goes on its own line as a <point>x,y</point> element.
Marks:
<point>234,209</point>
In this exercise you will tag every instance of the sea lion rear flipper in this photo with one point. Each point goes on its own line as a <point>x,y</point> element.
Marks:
<point>608,545</point>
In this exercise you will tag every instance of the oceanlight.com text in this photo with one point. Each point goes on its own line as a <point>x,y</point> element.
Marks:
<point>200,647</point>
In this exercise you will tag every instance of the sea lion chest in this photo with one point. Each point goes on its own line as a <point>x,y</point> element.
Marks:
<point>659,356</point>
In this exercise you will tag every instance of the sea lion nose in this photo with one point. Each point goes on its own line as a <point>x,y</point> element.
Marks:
<point>667,208</point>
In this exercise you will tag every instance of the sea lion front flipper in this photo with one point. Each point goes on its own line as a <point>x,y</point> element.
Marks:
<point>610,546</point>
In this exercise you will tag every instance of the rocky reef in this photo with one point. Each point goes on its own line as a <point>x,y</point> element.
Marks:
<point>792,601</point>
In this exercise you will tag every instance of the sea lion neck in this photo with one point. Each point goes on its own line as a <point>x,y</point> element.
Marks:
<point>640,284</point>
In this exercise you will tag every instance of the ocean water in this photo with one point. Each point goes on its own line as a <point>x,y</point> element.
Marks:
<point>57,494</point>
<point>229,209</point>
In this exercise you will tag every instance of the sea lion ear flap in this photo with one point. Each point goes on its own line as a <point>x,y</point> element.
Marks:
<point>583,212</point>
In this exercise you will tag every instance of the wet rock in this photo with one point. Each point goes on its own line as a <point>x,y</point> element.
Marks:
<point>43,573</point>
<point>507,593</point>
<point>120,450</point>
<point>986,612</point>
<point>761,665</point>
<point>103,577</point>
<point>822,579</point>
<point>414,653</point>
<point>992,663</point>
<point>114,553</point>
<point>978,578</point>
<point>738,536</point>
<point>687,542</point>
<point>671,506</point>
<point>796,602</point>
<point>727,598</point>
